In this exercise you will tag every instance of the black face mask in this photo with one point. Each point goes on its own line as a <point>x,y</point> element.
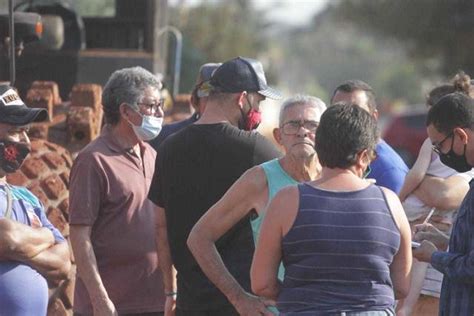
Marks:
<point>12,155</point>
<point>366,172</point>
<point>455,161</point>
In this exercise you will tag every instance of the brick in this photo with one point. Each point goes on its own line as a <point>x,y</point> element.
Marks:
<point>65,177</point>
<point>56,308</point>
<point>39,130</point>
<point>58,220</point>
<point>68,292</point>
<point>51,86</point>
<point>98,117</point>
<point>54,160</point>
<point>36,145</point>
<point>52,146</point>
<point>81,125</point>
<point>40,98</point>
<point>86,94</point>
<point>38,192</point>
<point>16,178</point>
<point>53,186</point>
<point>64,207</point>
<point>33,167</point>
<point>67,158</point>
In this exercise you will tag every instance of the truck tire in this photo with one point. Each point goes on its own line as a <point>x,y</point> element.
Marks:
<point>45,172</point>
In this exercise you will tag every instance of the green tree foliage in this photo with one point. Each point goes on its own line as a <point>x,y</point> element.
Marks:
<point>215,32</point>
<point>442,29</point>
<point>319,57</point>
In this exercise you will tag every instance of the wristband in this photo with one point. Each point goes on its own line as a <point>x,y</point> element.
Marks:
<point>168,294</point>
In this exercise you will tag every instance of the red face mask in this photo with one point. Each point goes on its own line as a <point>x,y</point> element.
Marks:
<point>251,120</point>
<point>12,155</point>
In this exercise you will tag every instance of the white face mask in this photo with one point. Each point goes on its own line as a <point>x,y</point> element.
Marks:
<point>150,128</point>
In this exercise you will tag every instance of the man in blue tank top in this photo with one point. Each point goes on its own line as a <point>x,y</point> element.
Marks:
<point>248,197</point>
<point>31,249</point>
<point>344,241</point>
<point>389,170</point>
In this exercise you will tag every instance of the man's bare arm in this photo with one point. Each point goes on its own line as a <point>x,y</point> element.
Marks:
<point>443,194</point>
<point>281,211</point>
<point>21,242</point>
<point>417,173</point>
<point>402,261</point>
<point>53,263</point>
<point>165,260</point>
<point>245,195</point>
<point>87,268</point>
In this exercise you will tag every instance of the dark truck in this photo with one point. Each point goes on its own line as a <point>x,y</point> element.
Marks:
<point>76,49</point>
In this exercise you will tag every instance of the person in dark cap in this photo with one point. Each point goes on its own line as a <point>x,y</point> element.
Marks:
<point>32,251</point>
<point>199,97</point>
<point>193,170</point>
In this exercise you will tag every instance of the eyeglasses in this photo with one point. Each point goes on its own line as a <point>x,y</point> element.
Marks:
<point>437,148</point>
<point>152,107</point>
<point>292,127</point>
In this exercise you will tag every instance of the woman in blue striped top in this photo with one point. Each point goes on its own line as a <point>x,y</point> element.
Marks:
<point>344,242</point>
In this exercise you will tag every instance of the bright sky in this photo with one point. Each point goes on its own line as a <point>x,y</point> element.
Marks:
<point>292,12</point>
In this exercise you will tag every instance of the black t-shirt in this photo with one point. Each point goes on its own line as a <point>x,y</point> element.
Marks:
<point>194,168</point>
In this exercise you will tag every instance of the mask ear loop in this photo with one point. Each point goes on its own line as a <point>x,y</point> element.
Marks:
<point>136,111</point>
<point>8,211</point>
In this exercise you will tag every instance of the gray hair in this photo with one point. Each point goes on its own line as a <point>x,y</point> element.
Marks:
<point>126,86</point>
<point>301,99</point>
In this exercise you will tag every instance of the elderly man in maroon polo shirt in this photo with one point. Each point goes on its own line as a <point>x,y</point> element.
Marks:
<point>112,221</point>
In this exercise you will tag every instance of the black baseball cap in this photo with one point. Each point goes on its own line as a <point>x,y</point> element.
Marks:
<point>13,111</point>
<point>243,74</point>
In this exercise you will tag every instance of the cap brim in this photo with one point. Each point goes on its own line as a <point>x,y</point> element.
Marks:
<point>38,115</point>
<point>271,93</point>
<point>23,115</point>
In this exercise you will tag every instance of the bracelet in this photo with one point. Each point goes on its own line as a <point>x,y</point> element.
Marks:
<point>170,294</point>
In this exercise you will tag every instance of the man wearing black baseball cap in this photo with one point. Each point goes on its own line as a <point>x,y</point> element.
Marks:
<point>31,250</point>
<point>244,75</point>
<point>194,168</point>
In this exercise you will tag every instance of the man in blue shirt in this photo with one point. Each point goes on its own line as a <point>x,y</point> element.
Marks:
<point>31,249</point>
<point>389,170</point>
<point>451,130</point>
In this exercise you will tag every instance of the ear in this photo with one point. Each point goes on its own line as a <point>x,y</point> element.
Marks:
<point>462,134</point>
<point>123,109</point>
<point>241,99</point>
<point>363,158</point>
<point>277,135</point>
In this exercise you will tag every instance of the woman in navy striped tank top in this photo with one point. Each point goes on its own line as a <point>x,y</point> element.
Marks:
<point>344,242</point>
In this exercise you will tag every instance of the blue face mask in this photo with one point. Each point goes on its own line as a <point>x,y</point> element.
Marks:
<point>150,127</point>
